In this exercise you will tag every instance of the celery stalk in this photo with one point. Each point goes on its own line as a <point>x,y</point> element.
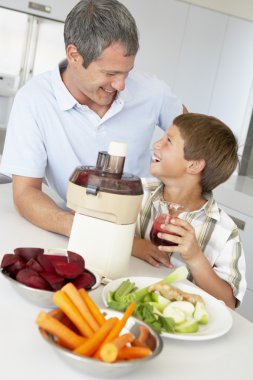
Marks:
<point>124,289</point>
<point>178,274</point>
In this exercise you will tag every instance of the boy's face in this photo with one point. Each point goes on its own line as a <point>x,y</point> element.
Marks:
<point>168,160</point>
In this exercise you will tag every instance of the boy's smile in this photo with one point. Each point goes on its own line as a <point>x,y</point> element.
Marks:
<point>168,156</point>
<point>155,158</point>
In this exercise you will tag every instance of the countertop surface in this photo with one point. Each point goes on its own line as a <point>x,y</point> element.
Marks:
<point>24,354</point>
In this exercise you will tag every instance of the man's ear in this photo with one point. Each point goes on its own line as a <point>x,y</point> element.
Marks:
<point>72,54</point>
<point>196,166</point>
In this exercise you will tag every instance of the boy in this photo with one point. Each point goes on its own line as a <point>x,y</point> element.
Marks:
<point>197,153</point>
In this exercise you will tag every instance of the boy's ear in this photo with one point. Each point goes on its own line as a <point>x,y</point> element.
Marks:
<point>196,166</point>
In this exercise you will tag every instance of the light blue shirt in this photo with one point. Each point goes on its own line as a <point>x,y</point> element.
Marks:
<point>49,133</point>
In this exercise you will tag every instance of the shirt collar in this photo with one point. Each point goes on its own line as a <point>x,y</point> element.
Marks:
<point>64,98</point>
<point>211,207</point>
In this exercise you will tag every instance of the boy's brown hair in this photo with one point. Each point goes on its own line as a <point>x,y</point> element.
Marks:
<point>206,137</point>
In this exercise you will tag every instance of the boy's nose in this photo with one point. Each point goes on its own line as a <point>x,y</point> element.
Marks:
<point>157,144</point>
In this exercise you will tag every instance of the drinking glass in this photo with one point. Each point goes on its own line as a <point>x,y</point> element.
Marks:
<point>162,215</point>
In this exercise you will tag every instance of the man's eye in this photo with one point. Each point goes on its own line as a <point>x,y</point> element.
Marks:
<point>110,74</point>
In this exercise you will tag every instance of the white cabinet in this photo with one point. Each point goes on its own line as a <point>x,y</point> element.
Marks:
<point>51,9</point>
<point>232,200</point>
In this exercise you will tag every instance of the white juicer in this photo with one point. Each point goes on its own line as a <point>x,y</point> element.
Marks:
<point>106,202</point>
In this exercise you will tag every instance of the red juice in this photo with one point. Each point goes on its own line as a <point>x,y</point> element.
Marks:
<point>156,228</point>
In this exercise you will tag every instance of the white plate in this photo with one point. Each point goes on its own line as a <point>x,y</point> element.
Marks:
<point>220,318</point>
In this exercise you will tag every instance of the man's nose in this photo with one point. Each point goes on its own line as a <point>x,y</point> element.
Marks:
<point>118,84</point>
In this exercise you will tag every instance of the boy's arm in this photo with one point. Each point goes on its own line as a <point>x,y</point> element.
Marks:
<point>202,272</point>
<point>145,250</point>
<point>37,207</point>
<point>205,277</point>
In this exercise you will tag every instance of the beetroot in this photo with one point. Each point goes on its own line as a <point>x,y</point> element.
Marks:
<point>34,268</point>
<point>85,280</point>
<point>28,252</point>
<point>76,258</point>
<point>20,263</point>
<point>8,259</point>
<point>48,262</point>
<point>68,270</point>
<point>34,265</point>
<point>31,278</point>
<point>55,281</point>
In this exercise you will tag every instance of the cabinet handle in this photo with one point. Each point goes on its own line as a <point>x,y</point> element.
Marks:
<point>240,223</point>
<point>39,7</point>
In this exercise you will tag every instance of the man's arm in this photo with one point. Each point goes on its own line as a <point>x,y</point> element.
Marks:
<point>37,207</point>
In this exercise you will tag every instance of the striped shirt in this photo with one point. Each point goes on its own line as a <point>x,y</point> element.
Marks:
<point>216,232</point>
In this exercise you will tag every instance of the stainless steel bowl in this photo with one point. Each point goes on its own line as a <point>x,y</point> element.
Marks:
<point>41,298</point>
<point>101,369</point>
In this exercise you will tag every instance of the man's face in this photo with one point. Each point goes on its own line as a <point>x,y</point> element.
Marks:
<point>103,78</point>
<point>168,160</point>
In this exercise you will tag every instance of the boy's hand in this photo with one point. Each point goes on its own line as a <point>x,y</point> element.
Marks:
<point>182,233</point>
<point>145,250</point>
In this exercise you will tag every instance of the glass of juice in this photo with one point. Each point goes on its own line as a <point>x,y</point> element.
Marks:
<point>162,214</point>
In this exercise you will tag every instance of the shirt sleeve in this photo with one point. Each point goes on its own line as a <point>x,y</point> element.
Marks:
<point>230,265</point>
<point>24,152</point>
<point>171,107</point>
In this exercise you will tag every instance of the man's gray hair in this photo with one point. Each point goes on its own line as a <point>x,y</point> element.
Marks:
<point>93,25</point>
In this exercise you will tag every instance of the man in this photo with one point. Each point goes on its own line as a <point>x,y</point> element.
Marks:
<point>61,119</point>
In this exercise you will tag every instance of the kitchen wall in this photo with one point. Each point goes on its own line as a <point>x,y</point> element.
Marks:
<point>242,8</point>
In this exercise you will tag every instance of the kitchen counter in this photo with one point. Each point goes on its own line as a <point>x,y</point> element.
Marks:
<point>24,354</point>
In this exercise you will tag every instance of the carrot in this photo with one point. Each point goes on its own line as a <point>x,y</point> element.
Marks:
<point>78,301</point>
<point>64,334</point>
<point>94,310</point>
<point>119,326</point>
<point>91,344</point>
<point>109,351</point>
<point>129,353</point>
<point>56,313</point>
<point>144,334</point>
<point>66,305</point>
<point>121,323</point>
<point>142,338</point>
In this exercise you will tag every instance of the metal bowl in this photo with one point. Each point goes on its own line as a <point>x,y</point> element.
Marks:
<point>99,368</point>
<point>41,298</point>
